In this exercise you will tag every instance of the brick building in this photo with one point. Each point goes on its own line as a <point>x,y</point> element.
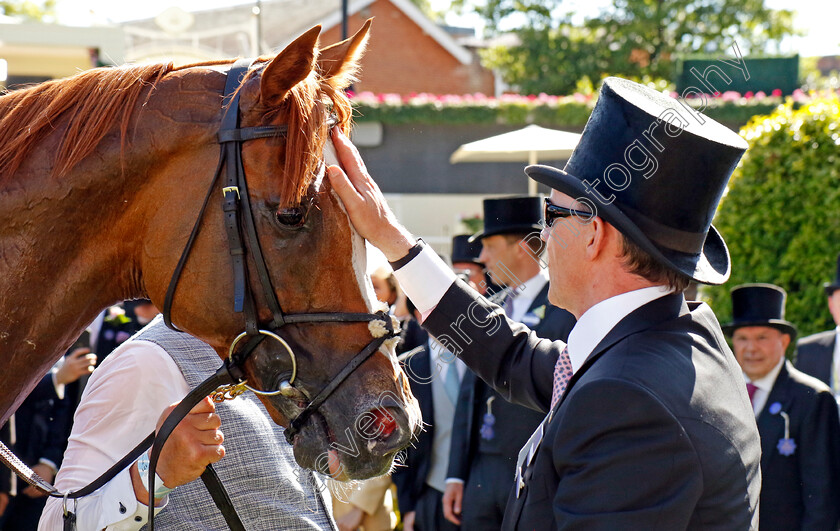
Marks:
<point>407,53</point>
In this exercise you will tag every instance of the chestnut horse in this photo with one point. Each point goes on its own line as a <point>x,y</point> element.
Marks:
<point>102,177</point>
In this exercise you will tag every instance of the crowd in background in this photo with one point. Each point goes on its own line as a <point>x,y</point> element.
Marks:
<point>458,473</point>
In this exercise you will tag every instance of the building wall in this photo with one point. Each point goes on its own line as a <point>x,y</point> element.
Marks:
<point>414,159</point>
<point>402,59</point>
<point>36,52</point>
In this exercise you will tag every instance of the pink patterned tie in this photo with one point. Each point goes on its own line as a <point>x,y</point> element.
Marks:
<point>562,375</point>
<point>751,389</point>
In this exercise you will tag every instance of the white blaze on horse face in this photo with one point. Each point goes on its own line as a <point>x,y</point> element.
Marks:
<point>359,258</point>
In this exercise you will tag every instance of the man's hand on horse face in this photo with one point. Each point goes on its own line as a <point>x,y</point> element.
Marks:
<point>193,444</point>
<point>368,210</point>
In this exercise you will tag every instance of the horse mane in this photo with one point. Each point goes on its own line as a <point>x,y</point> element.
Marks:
<point>93,99</point>
<point>307,107</point>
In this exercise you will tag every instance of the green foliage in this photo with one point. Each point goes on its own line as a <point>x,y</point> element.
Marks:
<point>633,38</point>
<point>530,13</point>
<point>426,7</point>
<point>473,224</point>
<point>568,111</point>
<point>28,9</point>
<point>780,217</point>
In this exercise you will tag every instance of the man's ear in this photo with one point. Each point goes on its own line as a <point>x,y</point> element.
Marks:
<point>598,235</point>
<point>785,341</point>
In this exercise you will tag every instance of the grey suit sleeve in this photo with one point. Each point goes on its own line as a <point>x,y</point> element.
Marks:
<point>504,353</point>
<point>819,451</point>
<point>617,434</point>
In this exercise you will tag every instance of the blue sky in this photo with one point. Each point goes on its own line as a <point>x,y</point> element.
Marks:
<point>817,18</point>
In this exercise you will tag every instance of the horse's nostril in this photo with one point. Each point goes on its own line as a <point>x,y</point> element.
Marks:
<point>383,422</point>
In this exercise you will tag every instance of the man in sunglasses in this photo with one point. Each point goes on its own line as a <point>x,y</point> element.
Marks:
<point>648,422</point>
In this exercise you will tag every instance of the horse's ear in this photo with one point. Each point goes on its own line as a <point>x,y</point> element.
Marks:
<point>339,63</point>
<point>289,67</point>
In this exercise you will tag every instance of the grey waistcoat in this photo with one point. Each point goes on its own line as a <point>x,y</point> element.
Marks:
<point>268,488</point>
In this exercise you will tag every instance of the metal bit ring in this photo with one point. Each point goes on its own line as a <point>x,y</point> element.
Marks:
<point>288,349</point>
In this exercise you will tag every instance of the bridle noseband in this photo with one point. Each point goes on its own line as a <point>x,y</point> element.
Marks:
<point>239,221</point>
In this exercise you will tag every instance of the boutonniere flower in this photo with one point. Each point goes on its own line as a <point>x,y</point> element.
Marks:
<point>116,316</point>
<point>540,312</point>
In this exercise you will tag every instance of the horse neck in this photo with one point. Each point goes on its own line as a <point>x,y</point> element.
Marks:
<point>74,244</point>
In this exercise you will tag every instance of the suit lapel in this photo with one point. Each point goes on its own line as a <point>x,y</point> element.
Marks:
<point>540,300</point>
<point>827,355</point>
<point>772,427</point>
<point>643,318</point>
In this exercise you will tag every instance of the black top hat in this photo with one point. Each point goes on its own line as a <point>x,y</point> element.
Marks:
<point>463,250</point>
<point>655,169</point>
<point>511,215</point>
<point>759,305</point>
<point>830,287</point>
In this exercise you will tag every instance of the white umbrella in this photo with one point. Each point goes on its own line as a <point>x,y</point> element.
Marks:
<point>524,145</point>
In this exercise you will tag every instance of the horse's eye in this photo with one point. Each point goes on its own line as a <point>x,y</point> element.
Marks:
<point>291,216</point>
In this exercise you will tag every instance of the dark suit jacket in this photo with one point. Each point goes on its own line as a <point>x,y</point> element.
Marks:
<point>802,490</point>
<point>410,479</point>
<point>5,473</point>
<point>40,425</point>
<point>814,355</point>
<point>654,431</point>
<point>514,422</point>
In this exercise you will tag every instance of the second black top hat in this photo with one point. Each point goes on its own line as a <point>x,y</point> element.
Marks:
<point>759,305</point>
<point>511,215</point>
<point>464,250</point>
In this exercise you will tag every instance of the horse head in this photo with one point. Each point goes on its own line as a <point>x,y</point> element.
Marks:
<point>104,179</point>
<point>315,264</point>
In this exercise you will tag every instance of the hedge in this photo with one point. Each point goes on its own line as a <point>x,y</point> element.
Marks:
<point>781,214</point>
<point>551,111</point>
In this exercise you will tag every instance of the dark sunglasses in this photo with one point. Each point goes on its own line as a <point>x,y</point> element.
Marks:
<point>552,212</point>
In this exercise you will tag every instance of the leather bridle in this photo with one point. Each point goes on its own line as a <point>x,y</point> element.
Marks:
<point>239,220</point>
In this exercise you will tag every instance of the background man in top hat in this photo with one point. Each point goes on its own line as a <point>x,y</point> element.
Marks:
<point>489,431</point>
<point>819,354</point>
<point>796,414</point>
<point>434,375</point>
<point>465,262</point>
<point>650,426</point>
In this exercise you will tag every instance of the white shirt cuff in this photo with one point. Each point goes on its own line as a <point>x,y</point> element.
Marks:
<point>120,509</point>
<point>59,388</point>
<point>425,279</point>
<point>454,480</point>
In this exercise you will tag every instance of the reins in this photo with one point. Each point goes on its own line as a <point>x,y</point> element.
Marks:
<point>229,380</point>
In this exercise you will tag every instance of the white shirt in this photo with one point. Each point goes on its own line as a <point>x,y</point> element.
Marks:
<point>526,294</point>
<point>107,425</point>
<point>426,278</point>
<point>765,385</point>
<point>441,362</point>
<point>598,320</point>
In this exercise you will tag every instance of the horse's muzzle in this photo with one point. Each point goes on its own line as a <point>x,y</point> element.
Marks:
<point>386,429</point>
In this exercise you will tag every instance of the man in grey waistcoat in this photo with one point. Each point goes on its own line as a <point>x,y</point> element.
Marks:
<point>122,403</point>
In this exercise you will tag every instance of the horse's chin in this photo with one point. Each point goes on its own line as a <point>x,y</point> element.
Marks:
<point>316,448</point>
<point>329,443</point>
